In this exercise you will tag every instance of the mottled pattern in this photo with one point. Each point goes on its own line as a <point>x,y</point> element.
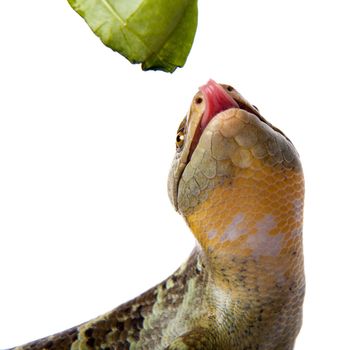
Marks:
<point>239,185</point>
<point>151,321</point>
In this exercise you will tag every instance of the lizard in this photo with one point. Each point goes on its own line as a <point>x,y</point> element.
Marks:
<point>238,182</point>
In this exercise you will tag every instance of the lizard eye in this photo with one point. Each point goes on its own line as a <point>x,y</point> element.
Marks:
<point>180,139</point>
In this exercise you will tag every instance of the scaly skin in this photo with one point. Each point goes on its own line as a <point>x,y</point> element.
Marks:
<point>238,183</point>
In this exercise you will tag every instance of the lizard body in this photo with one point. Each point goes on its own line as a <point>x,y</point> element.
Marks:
<point>238,182</point>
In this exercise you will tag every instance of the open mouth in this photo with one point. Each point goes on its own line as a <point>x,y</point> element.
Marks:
<point>218,98</point>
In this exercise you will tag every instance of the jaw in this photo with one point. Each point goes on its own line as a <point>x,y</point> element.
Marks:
<point>210,101</point>
<point>213,102</point>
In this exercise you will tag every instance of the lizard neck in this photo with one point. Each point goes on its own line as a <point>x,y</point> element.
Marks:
<point>250,231</point>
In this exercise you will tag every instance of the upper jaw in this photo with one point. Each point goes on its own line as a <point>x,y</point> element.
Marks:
<point>241,101</point>
<point>246,106</point>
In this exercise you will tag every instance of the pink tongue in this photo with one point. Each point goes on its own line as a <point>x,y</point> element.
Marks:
<point>216,101</point>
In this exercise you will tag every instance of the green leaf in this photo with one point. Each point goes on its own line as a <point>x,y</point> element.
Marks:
<point>157,33</point>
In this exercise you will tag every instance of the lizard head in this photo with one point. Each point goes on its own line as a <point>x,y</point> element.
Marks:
<point>233,170</point>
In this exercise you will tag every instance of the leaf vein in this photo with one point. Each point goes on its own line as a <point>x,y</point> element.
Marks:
<point>113,11</point>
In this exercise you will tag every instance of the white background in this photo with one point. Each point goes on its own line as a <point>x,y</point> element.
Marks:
<point>86,141</point>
